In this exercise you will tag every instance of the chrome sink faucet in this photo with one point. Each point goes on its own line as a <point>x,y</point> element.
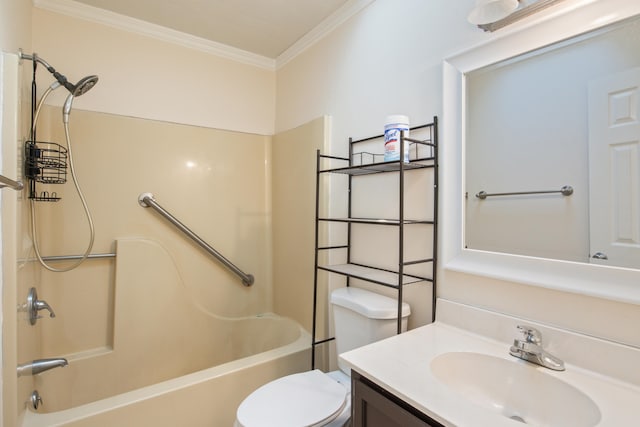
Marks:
<point>530,349</point>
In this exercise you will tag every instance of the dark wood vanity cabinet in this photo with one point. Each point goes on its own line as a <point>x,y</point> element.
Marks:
<point>373,406</point>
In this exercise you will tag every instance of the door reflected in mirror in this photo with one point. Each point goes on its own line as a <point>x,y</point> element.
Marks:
<point>563,115</point>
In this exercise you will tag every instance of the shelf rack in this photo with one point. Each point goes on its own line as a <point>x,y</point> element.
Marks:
<point>425,156</point>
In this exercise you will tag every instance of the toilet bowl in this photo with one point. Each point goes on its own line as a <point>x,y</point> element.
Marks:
<point>308,399</point>
<point>315,398</point>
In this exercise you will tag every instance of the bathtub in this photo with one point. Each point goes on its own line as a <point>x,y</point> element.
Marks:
<point>162,372</point>
<point>208,397</point>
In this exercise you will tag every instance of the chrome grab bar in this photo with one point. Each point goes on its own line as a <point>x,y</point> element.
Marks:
<point>146,200</point>
<point>567,190</point>
<point>6,182</point>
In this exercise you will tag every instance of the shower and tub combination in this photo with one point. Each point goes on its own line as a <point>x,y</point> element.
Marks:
<point>164,372</point>
<point>170,360</point>
<point>38,164</point>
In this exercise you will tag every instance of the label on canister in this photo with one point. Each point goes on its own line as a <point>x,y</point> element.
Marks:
<point>392,132</point>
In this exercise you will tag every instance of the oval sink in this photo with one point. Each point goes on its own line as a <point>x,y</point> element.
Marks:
<point>516,389</point>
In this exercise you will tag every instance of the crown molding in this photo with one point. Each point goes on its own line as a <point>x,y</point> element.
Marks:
<point>333,21</point>
<point>126,23</point>
<point>121,22</point>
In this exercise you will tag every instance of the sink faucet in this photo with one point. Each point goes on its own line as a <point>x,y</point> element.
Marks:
<point>530,349</point>
<point>40,365</point>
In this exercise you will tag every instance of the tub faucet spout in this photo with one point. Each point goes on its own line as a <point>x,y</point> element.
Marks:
<point>41,365</point>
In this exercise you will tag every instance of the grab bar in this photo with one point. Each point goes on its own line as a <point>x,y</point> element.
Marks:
<point>567,190</point>
<point>146,200</point>
<point>6,182</point>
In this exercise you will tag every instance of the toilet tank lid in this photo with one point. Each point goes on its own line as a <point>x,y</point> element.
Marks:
<point>368,304</point>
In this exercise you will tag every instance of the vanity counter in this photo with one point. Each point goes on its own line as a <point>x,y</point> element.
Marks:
<point>402,366</point>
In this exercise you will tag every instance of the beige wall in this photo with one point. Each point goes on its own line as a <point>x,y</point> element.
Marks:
<point>293,167</point>
<point>15,25</point>
<point>8,334</point>
<point>15,33</point>
<point>147,78</point>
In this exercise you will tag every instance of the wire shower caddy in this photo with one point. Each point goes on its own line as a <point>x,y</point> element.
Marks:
<point>46,163</point>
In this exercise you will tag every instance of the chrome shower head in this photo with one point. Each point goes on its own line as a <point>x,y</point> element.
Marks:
<point>80,88</point>
<point>84,85</point>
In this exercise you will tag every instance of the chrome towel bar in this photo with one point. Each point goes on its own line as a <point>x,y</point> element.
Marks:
<point>146,200</point>
<point>567,190</point>
<point>6,182</point>
<point>56,258</point>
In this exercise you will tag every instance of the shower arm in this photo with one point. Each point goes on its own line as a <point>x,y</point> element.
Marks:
<point>59,77</point>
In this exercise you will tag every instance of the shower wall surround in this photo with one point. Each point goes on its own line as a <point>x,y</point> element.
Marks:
<point>206,178</point>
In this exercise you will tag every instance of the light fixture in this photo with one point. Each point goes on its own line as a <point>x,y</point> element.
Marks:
<point>491,15</point>
<point>489,11</point>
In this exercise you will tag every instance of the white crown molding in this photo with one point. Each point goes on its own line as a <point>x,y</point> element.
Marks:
<point>333,21</point>
<point>126,23</point>
<point>100,16</point>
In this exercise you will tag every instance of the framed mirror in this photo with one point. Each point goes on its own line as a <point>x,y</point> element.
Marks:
<point>502,137</point>
<point>553,151</point>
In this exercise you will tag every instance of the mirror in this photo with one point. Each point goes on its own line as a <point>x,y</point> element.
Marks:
<point>562,116</point>
<point>543,267</point>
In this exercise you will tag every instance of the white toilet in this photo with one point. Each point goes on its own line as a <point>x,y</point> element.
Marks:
<point>313,398</point>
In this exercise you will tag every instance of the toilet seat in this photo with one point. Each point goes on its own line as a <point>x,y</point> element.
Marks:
<point>308,399</point>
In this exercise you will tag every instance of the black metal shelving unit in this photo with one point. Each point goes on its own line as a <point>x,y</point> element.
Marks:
<point>425,156</point>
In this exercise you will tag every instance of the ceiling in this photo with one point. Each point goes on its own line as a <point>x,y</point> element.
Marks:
<point>263,27</point>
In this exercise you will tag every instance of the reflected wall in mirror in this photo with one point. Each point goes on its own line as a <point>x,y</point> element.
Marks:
<point>565,114</point>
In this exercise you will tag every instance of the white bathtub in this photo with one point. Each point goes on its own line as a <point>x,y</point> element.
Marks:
<point>170,363</point>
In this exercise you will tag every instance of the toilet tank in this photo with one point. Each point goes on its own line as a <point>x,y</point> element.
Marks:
<point>361,317</point>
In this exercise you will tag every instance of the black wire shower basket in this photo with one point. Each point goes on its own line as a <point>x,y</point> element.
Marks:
<point>45,162</point>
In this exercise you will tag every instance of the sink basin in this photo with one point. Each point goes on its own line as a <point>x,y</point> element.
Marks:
<point>516,389</point>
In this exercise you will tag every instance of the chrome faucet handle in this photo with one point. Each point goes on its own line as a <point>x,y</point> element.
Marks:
<point>42,305</point>
<point>531,335</point>
<point>34,305</point>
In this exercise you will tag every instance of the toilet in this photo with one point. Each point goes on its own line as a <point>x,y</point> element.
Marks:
<point>315,398</point>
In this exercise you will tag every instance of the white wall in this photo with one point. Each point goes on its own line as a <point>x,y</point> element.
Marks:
<point>388,60</point>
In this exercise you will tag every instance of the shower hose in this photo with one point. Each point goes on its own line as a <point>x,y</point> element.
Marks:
<point>79,191</point>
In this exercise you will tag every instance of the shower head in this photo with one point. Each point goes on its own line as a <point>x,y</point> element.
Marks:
<point>84,85</point>
<point>80,88</point>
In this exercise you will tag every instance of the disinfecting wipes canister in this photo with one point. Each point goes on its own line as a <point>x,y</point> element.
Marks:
<point>392,129</point>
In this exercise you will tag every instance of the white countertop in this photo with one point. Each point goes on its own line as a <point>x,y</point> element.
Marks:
<point>401,365</point>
